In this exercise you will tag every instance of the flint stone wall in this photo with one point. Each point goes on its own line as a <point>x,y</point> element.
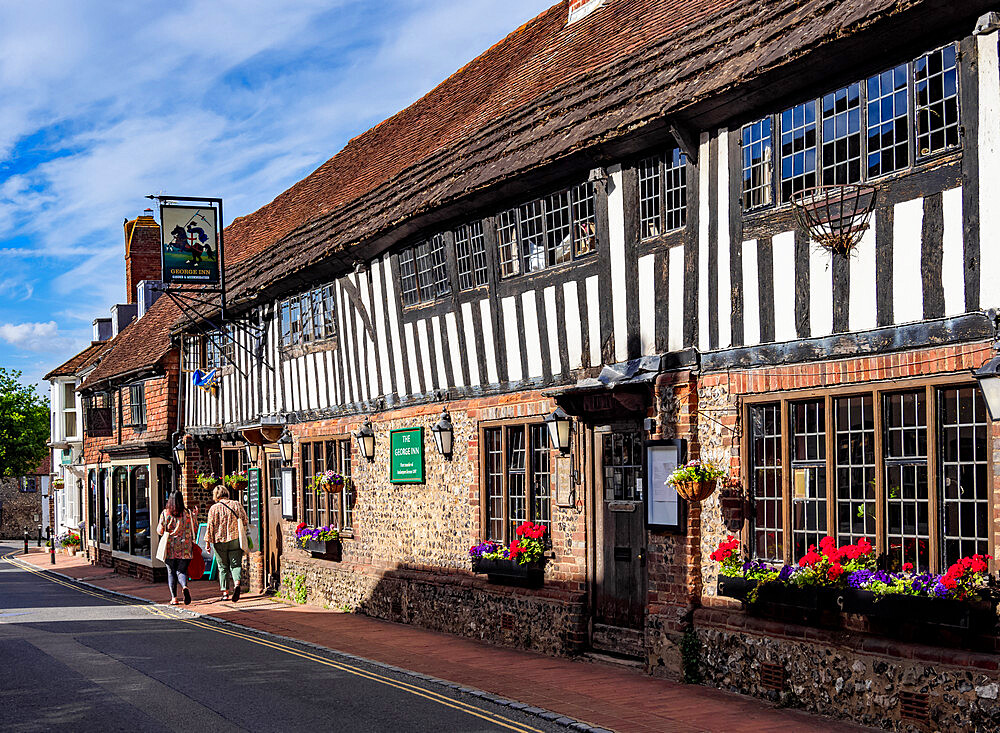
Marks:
<point>844,680</point>
<point>542,620</point>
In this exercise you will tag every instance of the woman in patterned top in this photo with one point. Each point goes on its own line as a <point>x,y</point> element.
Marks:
<point>223,534</point>
<point>176,527</point>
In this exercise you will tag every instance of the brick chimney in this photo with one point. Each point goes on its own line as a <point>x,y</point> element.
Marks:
<point>142,252</point>
<point>582,8</point>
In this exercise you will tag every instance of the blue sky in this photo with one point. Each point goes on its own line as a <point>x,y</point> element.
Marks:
<point>105,102</point>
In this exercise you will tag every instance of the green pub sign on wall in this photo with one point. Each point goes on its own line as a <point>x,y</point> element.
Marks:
<point>407,456</point>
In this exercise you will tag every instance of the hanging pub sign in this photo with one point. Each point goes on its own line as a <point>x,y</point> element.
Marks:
<point>99,422</point>
<point>406,451</point>
<point>190,244</point>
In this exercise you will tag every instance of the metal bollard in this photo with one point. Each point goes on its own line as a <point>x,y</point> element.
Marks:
<point>25,540</point>
<point>52,545</point>
<point>39,535</point>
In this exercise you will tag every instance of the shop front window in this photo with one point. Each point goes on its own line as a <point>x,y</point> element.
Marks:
<point>138,515</point>
<point>92,505</point>
<point>336,507</point>
<point>119,503</point>
<point>104,501</point>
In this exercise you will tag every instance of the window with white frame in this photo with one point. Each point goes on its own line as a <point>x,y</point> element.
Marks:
<point>547,231</point>
<point>888,121</point>
<point>662,193</point>
<point>191,348</point>
<point>308,317</point>
<point>842,136</point>
<point>935,89</point>
<point>798,149</point>
<point>470,253</point>
<point>757,164</point>
<point>856,147</point>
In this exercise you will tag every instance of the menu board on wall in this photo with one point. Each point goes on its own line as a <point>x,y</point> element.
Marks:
<point>252,502</point>
<point>288,493</point>
<point>664,508</point>
<point>406,451</point>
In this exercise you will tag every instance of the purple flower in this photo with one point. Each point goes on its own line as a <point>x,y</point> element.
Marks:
<point>786,572</point>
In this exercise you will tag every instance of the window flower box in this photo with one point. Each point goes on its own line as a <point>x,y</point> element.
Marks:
<point>322,542</point>
<point>502,570</point>
<point>735,586</point>
<point>947,612</point>
<point>806,598</point>
<point>324,549</point>
<point>521,563</point>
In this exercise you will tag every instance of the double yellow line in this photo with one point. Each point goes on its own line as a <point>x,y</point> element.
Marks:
<point>342,666</point>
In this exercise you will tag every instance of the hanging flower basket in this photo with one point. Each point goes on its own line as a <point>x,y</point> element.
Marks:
<point>207,481</point>
<point>695,481</point>
<point>236,481</point>
<point>329,481</point>
<point>695,491</point>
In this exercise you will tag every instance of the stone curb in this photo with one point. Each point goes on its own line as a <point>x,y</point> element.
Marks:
<point>548,715</point>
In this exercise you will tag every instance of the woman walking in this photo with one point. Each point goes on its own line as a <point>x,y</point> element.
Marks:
<point>227,523</point>
<point>176,528</point>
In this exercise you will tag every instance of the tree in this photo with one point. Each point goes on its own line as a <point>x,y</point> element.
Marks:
<point>24,425</point>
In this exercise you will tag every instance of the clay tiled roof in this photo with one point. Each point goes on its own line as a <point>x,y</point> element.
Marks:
<point>45,467</point>
<point>139,346</point>
<point>79,362</point>
<point>546,92</point>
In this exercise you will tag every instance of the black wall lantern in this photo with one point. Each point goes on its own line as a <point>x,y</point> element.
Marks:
<point>988,376</point>
<point>559,428</point>
<point>253,452</point>
<point>285,446</point>
<point>179,451</point>
<point>366,440</point>
<point>444,434</point>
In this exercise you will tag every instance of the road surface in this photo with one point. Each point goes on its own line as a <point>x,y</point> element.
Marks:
<point>76,659</point>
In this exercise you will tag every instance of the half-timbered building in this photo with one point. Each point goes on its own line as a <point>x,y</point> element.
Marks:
<point>595,215</point>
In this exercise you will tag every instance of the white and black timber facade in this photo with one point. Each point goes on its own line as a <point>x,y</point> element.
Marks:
<point>630,221</point>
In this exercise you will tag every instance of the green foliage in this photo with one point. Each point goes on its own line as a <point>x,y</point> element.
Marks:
<point>691,657</point>
<point>24,425</point>
<point>294,588</point>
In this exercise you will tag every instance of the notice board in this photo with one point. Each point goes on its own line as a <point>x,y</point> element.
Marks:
<point>406,456</point>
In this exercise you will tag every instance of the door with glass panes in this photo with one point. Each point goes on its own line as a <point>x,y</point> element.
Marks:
<point>620,579</point>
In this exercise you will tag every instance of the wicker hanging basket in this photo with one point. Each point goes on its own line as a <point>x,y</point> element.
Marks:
<point>695,491</point>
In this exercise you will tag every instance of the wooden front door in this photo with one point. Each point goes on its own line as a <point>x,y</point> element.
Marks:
<point>620,592</point>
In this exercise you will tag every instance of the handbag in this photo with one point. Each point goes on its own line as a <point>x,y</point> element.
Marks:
<point>196,568</point>
<point>161,546</point>
<point>245,544</point>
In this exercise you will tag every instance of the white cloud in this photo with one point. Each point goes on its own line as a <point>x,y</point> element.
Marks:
<point>34,336</point>
<point>105,102</point>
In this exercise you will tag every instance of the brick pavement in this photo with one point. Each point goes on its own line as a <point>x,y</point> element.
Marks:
<point>602,695</point>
